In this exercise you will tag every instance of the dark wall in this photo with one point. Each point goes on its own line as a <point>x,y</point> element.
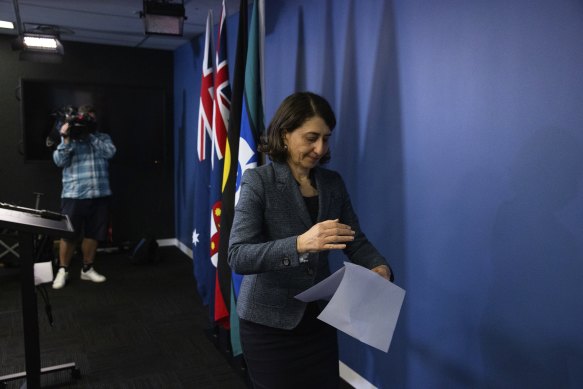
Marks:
<point>133,88</point>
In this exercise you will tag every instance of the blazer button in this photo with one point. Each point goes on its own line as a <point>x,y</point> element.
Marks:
<point>286,261</point>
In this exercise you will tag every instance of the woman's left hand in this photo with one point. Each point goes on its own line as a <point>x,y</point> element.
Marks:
<point>383,271</point>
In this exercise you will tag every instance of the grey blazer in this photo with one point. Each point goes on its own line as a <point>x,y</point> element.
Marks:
<point>270,215</point>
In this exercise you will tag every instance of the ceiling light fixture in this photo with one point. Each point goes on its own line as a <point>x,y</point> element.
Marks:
<point>163,17</point>
<point>39,47</point>
<point>6,24</point>
<point>40,44</point>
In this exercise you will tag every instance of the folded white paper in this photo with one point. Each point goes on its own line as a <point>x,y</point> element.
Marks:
<point>43,272</point>
<point>362,304</point>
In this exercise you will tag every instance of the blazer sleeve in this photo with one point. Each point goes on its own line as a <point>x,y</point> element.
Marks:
<point>250,251</point>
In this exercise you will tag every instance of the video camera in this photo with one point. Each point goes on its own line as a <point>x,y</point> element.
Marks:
<point>81,124</point>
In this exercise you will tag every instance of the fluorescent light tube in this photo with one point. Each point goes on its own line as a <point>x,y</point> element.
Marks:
<point>6,24</point>
<point>40,42</point>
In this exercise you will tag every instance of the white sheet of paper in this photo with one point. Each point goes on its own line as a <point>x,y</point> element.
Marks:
<point>323,290</point>
<point>43,272</point>
<point>363,304</point>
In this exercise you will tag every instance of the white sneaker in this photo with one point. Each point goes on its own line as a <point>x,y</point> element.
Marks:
<point>92,275</point>
<point>61,278</point>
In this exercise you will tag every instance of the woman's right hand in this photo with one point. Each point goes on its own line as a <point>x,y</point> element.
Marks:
<point>326,235</point>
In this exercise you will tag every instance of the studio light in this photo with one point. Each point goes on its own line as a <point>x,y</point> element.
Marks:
<point>163,17</point>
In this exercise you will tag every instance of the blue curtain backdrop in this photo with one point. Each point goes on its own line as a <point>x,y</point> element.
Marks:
<point>460,138</point>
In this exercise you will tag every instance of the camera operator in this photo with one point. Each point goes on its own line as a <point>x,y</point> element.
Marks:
<point>84,155</point>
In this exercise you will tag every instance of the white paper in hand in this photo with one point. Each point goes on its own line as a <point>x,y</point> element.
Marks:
<point>363,304</point>
<point>323,290</point>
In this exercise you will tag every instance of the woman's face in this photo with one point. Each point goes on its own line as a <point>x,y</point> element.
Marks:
<point>308,143</point>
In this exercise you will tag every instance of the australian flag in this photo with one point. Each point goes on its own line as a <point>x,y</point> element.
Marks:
<point>204,271</point>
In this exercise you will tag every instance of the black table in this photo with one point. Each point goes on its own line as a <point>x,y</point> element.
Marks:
<point>28,224</point>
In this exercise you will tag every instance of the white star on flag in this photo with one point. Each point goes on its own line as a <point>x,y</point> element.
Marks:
<point>195,237</point>
<point>246,154</point>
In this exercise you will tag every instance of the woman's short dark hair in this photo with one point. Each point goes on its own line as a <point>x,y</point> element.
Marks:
<point>293,112</point>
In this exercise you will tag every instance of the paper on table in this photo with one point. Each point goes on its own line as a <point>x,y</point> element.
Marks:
<point>43,272</point>
<point>362,304</point>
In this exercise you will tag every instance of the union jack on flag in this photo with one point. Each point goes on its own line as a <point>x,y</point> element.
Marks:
<point>222,103</point>
<point>205,109</point>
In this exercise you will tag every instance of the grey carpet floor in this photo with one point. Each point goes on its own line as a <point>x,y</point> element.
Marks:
<point>145,327</point>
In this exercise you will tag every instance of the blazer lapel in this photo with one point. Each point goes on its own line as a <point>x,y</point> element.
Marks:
<point>289,189</point>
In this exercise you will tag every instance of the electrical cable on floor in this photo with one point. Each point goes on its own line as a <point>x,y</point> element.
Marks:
<point>48,309</point>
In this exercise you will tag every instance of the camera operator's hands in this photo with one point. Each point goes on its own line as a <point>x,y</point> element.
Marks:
<point>65,132</point>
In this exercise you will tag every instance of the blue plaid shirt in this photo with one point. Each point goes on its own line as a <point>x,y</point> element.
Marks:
<point>85,166</point>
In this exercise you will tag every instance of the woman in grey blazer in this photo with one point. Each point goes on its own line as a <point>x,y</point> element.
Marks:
<point>290,214</point>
